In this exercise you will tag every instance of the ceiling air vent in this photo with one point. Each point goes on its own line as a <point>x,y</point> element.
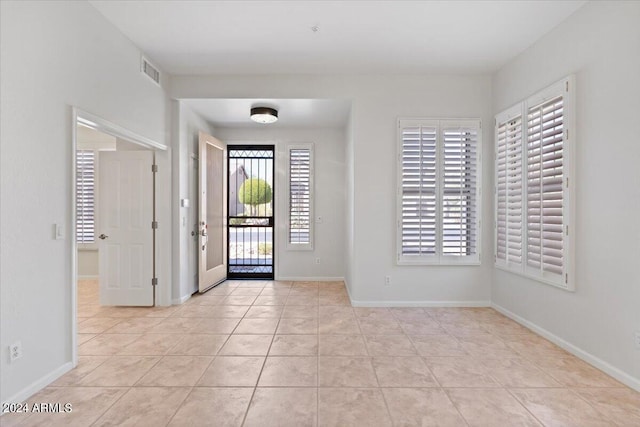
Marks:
<point>151,71</point>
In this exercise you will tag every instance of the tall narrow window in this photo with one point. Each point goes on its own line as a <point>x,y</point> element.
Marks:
<point>438,177</point>
<point>534,195</point>
<point>85,196</point>
<point>300,235</point>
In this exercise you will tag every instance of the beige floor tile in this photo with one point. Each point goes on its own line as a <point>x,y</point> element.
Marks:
<point>299,311</point>
<point>403,372</point>
<point>256,326</point>
<point>559,407</point>
<point>86,364</point>
<point>289,371</point>
<point>463,328</point>
<point>303,292</point>
<point>410,314</point>
<point>239,300</point>
<point>264,312</point>
<point>270,300</point>
<point>176,371</point>
<point>152,345</point>
<point>573,372</point>
<point>207,300</point>
<point>620,405</point>
<point>379,313</point>
<point>518,373</point>
<point>346,372</point>
<point>460,372</point>
<point>271,292</point>
<point>283,407</point>
<point>533,347</point>
<point>219,291</point>
<point>199,345</point>
<point>232,371</point>
<point>421,327</point>
<point>352,407</point>
<point>294,345</point>
<point>341,345</point>
<point>337,325</point>
<point>336,311</point>
<point>88,403</point>
<point>389,345</point>
<point>246,292</point>
<point>83,338</point>
<point>246,345</point>
<point>228,311</point>
<point>175,325</point>
<point>421,407</point>
<point>213,407</point>
<point>96,325</point>
<point>487,407</point>
<point>486,346</point>
<point>198,311</point>
<point>134,325</point>
<point>377,326</point>
<point>119,371</point>
<point>438,345</point>
<point>296,325</point>
<point>163,312</point>
<point>302,299</point>
<point>339,300</point>
<point>216,326</point>
<point>107,344</point>
<point>145,406</point>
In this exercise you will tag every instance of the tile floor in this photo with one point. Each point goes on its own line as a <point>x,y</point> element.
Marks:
<point>297,354</point>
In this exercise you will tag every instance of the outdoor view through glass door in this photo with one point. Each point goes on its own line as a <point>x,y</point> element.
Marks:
<point>251,201</point>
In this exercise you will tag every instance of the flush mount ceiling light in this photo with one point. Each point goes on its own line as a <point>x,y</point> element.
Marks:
<point>264,115</point>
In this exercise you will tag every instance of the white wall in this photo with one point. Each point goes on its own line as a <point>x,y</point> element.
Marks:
<point>600,43</point>
<point>54,55</point>
<point>187,125</point>
<point>377,103</point>
<point>329,197</point>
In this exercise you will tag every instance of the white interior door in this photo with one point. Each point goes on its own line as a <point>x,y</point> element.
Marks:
<point>125,198</point>
<point>212,219</point>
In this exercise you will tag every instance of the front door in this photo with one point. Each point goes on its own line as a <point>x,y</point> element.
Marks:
<point>125,213</point>
<point>212,240</point>
<point>251,202</point>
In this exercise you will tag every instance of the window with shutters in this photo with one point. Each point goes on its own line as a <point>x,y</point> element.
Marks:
<point>439,191</point>
<point>85,196</point>
<point>300,177</point>
<point>534,189</point>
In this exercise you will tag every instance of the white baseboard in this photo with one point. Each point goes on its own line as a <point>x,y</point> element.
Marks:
<point>605,367</point>
<point>88,277</point>
<point>356,303</point>
<point>311,279</point>
<point>181,300</point>
<point>39,384</point>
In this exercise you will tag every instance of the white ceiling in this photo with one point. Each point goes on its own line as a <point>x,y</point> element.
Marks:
<point>291,112</point>
<point>374,37</point>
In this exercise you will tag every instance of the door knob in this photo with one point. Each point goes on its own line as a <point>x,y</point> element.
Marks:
<point>102,236</point>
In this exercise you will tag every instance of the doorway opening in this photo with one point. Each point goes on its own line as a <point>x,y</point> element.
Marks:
<point>250,219</point>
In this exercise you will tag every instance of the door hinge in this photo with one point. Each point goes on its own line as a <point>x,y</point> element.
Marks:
<point>154,281</point>
<point>567,134</point>
<point>567,182</point>
<point>566,277</point>
<point>567,230</point>
<point>566,86</point>
<point>154,224</point>
<point>154,168</point>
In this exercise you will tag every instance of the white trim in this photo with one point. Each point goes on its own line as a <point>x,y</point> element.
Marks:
<point>304,246</point>
<point>606,367</point>
<point>425,303</point>
<point>39,384</point>
<point>181,300</point>
<point>311,279</point>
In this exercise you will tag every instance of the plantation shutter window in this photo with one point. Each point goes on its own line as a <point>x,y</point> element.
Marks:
<point>544,186</point>
<point>300,234</point>
<point>534,196</point>
<point>85,196</point>
<point>438,176</point>
<point>509,194</point>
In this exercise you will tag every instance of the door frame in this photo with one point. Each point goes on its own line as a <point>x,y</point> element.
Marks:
<point>81,117</point>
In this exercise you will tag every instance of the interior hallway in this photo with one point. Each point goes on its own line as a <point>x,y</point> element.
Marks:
<point>279,353</point>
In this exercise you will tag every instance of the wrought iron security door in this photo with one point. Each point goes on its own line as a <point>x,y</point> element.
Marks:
<point>251,211</point>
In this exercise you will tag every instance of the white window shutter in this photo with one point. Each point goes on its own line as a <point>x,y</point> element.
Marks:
<point>459,190</point>
<point>545,174</point>
<point>300,196</point>
<point>419,187</point>
<point>85,196</point>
